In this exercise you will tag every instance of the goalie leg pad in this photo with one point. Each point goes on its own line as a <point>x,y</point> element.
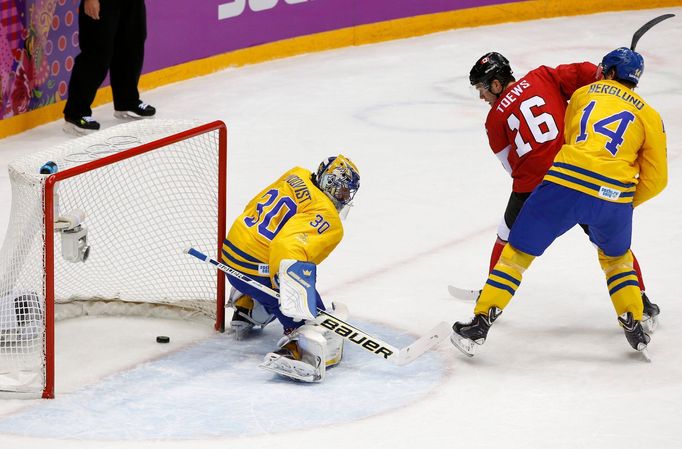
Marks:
<point>253,311</point>
<point>284,362</point>
<point>334,348</point>
<point>334,341</point>
<point>300,355</point>
<point>248,314</point>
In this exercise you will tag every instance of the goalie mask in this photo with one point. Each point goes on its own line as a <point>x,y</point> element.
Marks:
<point>339,179</point>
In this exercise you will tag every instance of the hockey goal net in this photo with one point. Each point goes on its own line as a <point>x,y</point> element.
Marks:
<point>108,227</point>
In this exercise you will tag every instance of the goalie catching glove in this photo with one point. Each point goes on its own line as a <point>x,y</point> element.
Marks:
<point>298,297</point>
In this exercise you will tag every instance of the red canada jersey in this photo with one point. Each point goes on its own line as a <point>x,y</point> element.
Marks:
<point>525,125</point>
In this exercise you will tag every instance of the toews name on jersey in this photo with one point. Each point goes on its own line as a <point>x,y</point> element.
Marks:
<point>512,95</point>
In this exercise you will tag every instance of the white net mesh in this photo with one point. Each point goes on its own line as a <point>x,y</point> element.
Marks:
<point>139,215</point>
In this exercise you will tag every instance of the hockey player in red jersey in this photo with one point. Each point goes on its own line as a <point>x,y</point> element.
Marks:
<point>525,128</point>
<point>614,160</point>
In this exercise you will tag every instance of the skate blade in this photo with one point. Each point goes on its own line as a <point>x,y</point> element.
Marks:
<point>467,346</point>
<point>126,115</point>
<point>645,355</point>
<point>70,128</point>
<point>291,369</point>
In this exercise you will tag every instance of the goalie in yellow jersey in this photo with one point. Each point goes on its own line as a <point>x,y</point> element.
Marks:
<point>283,234</point>
<point>614,159</point>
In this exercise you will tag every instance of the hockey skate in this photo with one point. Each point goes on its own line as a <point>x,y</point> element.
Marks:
<point>80,126</point>
<point>650,317</point>
<point>142,110</point>
<point>634,333</point>
<point>467,337</point>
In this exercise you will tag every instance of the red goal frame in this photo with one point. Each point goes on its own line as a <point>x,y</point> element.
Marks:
<point>48,214</point>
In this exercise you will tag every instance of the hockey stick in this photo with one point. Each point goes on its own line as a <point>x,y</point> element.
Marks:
<point>646,27</point>
<point>378,347</point>
<point>461,293</point>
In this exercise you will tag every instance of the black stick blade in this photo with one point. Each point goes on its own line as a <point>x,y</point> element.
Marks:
<point>646,27</point>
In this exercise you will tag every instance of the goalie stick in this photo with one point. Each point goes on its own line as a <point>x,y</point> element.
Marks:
<point>646,27</point>
<point>397,356</point>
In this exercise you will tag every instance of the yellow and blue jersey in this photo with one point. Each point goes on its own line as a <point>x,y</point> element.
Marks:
<point>615,145</point>
<point>289,219</point>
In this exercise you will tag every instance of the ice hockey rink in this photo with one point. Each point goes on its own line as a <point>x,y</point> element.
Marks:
<point>556,371</point>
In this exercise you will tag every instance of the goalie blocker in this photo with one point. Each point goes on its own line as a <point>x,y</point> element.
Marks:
<point>297,294</point>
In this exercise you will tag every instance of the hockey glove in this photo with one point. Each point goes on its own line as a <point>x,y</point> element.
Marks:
<point>298,298</point>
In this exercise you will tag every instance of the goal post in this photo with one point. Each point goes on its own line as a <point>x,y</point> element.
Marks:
<point>106,223</point>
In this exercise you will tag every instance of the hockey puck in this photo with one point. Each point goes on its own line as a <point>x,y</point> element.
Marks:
<point>162,339</point>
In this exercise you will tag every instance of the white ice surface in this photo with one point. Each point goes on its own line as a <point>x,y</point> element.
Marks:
<point>556,371</point>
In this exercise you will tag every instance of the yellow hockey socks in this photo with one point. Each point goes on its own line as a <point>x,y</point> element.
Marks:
<point>621,279</point>
<point>503,280</point>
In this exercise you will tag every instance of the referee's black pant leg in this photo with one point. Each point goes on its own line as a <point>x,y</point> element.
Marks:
<point>96,41</point>
<point>128,55</point>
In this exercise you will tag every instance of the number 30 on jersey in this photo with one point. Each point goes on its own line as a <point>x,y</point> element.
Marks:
<point>274,211</point>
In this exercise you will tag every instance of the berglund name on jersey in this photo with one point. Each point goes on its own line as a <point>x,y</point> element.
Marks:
<point>616,91</point>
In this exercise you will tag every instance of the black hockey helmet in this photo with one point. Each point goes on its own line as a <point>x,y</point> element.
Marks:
<point>490,66</point>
